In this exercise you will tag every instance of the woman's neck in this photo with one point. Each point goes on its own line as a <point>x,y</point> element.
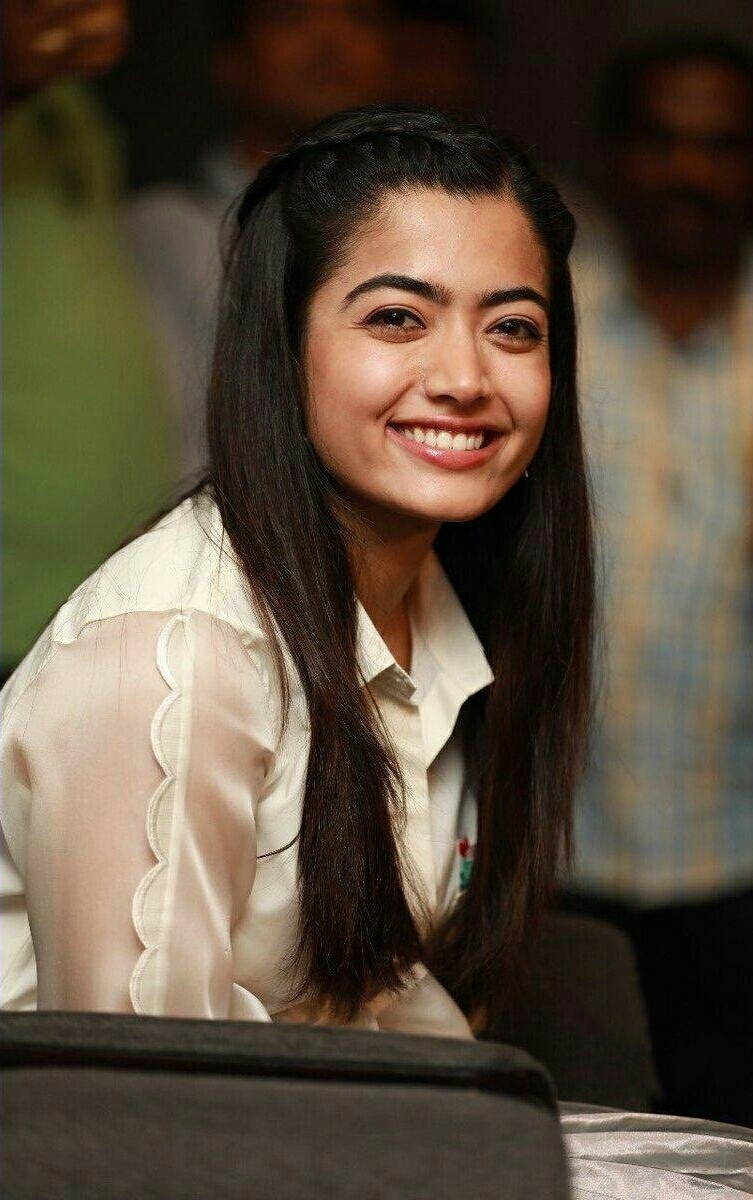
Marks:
<point>386,563</point>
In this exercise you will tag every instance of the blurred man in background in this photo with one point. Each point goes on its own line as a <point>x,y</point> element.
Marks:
<point>665,833</point>
<point>278,67</point>
<point>86,452</point>
<point>442,53</point>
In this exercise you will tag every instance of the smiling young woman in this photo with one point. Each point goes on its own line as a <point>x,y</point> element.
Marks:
<point>307,747</point>
<point>409,365</point>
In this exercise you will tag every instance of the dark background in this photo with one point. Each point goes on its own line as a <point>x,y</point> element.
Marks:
<point>546,58</point>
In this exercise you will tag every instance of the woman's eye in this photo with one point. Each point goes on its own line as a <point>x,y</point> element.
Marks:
<point>398,320</point>
<point>515,329</point>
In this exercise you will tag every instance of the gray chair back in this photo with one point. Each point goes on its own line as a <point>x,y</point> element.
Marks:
<point>121,1107</point>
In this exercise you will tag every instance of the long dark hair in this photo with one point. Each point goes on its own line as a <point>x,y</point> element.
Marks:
<point>523,572</point>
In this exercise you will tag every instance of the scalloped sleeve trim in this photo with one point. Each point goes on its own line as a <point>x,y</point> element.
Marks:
<point>154,899</point>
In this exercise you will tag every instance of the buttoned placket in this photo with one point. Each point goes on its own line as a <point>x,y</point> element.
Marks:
<point>419,712</point>
<point>401,715</point>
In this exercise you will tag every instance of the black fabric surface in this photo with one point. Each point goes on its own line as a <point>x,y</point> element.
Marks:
<point>584,1015</point>
<point>695,963</point>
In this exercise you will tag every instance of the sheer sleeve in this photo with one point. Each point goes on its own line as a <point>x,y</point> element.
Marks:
<point>147,743</point>
<point>422,1007</point>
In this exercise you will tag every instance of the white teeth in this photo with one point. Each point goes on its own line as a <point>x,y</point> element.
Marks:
<point>442,439</point>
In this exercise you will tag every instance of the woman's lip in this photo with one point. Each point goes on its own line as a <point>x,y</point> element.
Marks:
<point>450,460</point>
<point>450,424</point>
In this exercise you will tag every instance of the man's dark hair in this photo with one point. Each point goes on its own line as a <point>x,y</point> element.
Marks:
<point>618,101</point>
<point>229,15</point>
<point>468,13</point>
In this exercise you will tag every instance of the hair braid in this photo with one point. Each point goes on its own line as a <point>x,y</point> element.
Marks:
<point>368,124</point>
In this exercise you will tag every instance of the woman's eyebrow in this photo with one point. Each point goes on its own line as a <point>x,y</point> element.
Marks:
<point>403,283</point>
<point>442,295</point>
<point>510,295</point>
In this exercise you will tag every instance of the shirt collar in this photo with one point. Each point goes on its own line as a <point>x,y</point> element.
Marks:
<point>449,664</point>
<point>448,658</point>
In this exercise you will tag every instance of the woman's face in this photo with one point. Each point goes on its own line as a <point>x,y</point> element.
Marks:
<point>427,358</point>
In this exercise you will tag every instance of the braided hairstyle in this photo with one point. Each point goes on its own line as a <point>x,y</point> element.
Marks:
<point>523,572</point>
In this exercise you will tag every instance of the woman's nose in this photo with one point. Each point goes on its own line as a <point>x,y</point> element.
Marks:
<point>455,370</point>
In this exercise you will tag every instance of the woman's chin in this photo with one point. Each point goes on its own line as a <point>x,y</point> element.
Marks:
<point>448,511</point>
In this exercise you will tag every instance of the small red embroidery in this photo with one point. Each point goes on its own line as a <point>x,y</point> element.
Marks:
<point>466,851</point>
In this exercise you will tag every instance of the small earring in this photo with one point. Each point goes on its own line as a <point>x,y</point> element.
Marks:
<point>526,474</point>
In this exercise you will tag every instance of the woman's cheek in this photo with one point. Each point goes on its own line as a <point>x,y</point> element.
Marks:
<point>357,389</point>
<point>382,377</point>
<point>531,404</point>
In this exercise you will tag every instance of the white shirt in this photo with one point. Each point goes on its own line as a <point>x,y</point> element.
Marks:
<point>147,784</point>
<point>145,777</point>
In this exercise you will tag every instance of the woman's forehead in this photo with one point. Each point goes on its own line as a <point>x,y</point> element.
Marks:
<point>474,243</point>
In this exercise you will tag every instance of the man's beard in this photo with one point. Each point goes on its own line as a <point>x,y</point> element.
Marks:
<point>683,229</point>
